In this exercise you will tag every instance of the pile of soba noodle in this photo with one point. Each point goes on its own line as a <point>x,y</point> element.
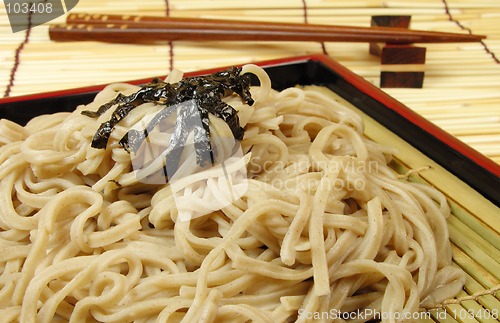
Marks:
<point>325,226</point>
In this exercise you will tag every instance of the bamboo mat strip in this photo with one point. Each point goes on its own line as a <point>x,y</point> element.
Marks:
<point>468,29</point>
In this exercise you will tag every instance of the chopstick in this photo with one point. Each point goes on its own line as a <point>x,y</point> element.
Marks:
<point>149,29</point>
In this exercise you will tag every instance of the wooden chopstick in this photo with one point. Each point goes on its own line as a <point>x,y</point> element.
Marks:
<point>144,29</point>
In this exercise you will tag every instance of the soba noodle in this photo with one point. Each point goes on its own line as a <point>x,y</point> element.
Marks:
<point>325,225</point>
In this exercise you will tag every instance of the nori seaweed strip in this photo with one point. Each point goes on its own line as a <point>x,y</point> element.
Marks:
<point>133,139</point>
<point>202,145</point>
<point>177,141</point>
<point>150,92</point>
<point>120,98</point>
<point>230,116</point>
<point>101,137</point>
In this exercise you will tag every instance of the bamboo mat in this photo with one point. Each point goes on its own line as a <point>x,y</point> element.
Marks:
<point>461,89</point>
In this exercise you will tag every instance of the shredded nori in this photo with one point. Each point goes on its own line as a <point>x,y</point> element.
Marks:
<point>201,95</point>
